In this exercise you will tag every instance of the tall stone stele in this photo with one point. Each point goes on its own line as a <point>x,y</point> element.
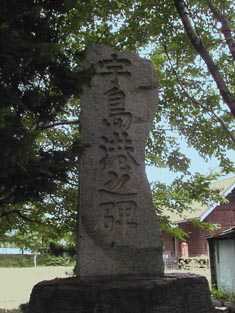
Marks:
<point>119,229</point>
<point>120,258</point>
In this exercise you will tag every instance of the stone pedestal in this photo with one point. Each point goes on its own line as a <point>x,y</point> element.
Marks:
<point>175,293</point>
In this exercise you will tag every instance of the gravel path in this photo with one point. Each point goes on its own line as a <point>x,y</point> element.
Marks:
<point>16,283</point>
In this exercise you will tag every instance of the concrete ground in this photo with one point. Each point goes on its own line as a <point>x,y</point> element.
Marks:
<point>16,283</point>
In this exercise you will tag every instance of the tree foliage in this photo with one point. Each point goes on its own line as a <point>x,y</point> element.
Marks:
<point>192,107</point>
<point>191,45</point>
<point>36,82</point>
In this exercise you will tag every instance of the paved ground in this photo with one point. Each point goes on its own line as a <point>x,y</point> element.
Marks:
<point>17,283</point>
<point>200,271</point>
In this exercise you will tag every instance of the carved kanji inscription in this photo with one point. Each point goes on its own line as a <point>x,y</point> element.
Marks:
<point>118,227</point>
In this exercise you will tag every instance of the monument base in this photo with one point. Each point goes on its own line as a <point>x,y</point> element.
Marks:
<point>174,293</point>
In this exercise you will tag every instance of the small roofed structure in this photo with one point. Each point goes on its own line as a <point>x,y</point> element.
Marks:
<point>222,259</point>
<point>222,215</point>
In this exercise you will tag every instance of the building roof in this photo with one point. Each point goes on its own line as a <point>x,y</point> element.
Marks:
<point>197,209</point>
<point>225,234</point>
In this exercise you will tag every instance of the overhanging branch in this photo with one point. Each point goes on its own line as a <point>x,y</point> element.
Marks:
<point>61,123</point>
<point>225,27</point>
<point>198,45</point>
<point>7,213</point>
<point>197,103</point>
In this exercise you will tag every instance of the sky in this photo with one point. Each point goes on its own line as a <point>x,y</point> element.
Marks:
<point>198,164</point>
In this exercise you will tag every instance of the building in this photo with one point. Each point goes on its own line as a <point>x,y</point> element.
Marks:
<point>196,244</point>
<point>222,256</point>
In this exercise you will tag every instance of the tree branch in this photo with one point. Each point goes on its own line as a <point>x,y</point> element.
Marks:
<point>6,213</point>
<point>195,102</point>
<point>17,212</point>
<point>198,45</point>
<point>225,27</point>
<point>8,197</point>
<point>75,122</point>
<point>28,219</point>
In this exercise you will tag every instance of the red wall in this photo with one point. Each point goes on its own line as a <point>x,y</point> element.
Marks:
<point>197,243</point>
<point>223,214</point>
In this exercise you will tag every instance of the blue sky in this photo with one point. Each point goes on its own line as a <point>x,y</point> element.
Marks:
<point>198,164</point>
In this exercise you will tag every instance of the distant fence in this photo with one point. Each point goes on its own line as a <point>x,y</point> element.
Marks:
<point>191,263</point>
<point>170,263</point>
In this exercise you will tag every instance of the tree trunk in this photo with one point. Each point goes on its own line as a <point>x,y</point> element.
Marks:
<point>225,28</point>
<point>198,45</point>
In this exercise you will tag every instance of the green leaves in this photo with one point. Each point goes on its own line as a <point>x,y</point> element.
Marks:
<point>180,196</point>
<point>36,81</point>
<point>41,50</point>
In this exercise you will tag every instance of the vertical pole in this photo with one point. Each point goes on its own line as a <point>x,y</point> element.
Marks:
<point>35,260</point>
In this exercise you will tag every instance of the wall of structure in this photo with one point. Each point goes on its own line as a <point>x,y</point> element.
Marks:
<point>168,245</point>
<point>223,215</point>
<point>224,259</point>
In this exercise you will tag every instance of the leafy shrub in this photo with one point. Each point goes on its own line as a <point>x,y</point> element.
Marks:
<point>223,295</point>
<point>49,260</point>
<point>23,308</point>
<point>10,311</point>
<point>27,261</point>
<point>13,260</point>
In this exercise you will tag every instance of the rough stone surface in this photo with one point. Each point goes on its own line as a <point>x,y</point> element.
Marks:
<point>172,294</point>
<point>118,231</point>
<point>120,258</point>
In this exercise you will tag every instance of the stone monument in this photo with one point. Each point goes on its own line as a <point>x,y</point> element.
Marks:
<point>120,268</point>
<point>119,230</point>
